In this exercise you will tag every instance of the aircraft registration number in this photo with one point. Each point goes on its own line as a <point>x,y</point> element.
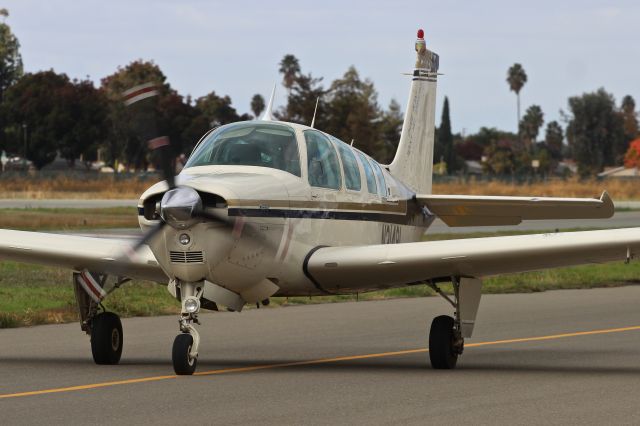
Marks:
<point>391,234</point>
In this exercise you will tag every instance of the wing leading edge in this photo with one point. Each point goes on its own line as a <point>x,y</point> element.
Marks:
<point>470,210</point>
<point>102,255</point>
<point>382,266</point>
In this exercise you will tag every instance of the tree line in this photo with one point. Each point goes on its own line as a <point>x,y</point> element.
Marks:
<point>597,133</point>
<point>45,114</point>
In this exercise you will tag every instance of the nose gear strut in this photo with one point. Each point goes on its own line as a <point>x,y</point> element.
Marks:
<point>185,346</point>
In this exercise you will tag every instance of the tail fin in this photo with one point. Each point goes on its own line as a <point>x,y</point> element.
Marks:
<point>413,163</point>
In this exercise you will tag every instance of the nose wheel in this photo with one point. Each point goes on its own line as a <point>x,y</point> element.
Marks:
<point>184,363</point>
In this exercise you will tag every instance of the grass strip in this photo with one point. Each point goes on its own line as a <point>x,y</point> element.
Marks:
<point>31,295</point>
<point>42,219</point>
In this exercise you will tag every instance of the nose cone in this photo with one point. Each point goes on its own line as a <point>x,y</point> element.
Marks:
<point>192,254</point>
<point>180,206</point>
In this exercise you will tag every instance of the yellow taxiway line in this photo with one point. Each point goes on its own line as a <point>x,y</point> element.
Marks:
<point>312,362</point>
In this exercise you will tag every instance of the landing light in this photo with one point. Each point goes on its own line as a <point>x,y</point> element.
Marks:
<point>184,239</point>
<point>191,305</point>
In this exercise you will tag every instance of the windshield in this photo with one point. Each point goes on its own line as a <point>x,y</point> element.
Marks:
<point>249,144</point>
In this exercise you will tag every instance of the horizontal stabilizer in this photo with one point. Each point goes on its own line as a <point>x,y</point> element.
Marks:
<point>471,210</point>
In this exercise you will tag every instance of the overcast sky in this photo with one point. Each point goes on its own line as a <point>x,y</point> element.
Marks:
<point>233,47</point>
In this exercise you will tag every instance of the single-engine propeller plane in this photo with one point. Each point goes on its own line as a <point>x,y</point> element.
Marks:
<point>267,208</point>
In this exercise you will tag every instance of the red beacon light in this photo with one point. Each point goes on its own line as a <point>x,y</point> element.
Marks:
<point>421,46</point>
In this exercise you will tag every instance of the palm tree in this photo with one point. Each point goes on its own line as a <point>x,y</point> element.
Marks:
<point>289,68</point>
<point>257,104</point>
<point>530,125</point>
<point>516,77</point>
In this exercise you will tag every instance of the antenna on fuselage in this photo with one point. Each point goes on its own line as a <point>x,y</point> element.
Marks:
<point>313,120</point>
<point>352,141</point>
<point>268,116</point>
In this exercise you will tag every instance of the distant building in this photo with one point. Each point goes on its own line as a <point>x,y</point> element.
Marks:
<point>566,167</point>
<point>473,167</point>
<point>620,173</point>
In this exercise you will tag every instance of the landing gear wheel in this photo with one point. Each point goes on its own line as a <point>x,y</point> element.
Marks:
<point>106,338</point>
<point>442,351</point>
<point>183,363</point>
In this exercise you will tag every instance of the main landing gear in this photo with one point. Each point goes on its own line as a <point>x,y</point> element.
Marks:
<point>104,327</point>
<point>446,335</point>
<point>106,338</point>
<point>445,343</point>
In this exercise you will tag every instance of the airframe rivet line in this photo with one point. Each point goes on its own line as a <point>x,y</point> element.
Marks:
<point>312,362</point>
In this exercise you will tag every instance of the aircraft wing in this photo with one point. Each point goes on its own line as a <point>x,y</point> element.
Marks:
<point>470,210</point>
<point>102,255</point>
<point>381,266</point>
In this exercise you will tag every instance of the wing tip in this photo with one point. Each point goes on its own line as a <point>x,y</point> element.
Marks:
<point>608,207</point>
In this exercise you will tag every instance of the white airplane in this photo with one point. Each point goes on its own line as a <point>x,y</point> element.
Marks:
<point>266,208</point>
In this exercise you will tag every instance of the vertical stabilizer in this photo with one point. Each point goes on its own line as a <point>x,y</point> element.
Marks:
<point>413,163</point>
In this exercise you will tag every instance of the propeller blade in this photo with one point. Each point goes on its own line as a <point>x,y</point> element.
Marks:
<point>141,101</point>
<point>148,236</point>
<point>162,146</point>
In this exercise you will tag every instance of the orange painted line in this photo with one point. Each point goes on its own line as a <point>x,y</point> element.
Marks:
<point>312,362</point>
<point>309,362</point>
<point>90,386</point>
<point>554,336</point>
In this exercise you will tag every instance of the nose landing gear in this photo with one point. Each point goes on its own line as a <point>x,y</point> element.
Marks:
<point>185,346</point>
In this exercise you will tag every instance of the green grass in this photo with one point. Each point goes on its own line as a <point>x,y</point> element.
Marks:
<point>41,219</point>
<point>32,294</point>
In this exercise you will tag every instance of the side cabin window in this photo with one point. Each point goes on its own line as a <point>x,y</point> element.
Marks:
<point>322,161</point>
<point>368,174</point>
<point>382,187</point>
<point>349,166</point>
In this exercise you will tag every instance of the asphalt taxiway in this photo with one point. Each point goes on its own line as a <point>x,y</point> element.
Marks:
<point>559,357</point>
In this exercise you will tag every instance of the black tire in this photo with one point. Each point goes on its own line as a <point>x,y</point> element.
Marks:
<point>182,363</point>
<point>106,338</point>
<point>441,351</point>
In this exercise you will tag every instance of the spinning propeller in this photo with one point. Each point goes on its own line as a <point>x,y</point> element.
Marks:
<point>181,206</point>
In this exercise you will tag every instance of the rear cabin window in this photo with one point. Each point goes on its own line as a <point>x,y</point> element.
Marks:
<point>368,174</point>
<point>322,161</point>
<point>349,166</point>
<point>382,187</point>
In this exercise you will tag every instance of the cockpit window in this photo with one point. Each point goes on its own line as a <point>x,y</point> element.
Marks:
<point>322,161</point>
<point>249,144</point>
<point>349,166</point>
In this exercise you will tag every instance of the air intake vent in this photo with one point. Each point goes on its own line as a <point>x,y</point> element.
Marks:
<point>186,256</point>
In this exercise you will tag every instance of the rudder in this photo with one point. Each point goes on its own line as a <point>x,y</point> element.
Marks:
<point>413,162</point>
